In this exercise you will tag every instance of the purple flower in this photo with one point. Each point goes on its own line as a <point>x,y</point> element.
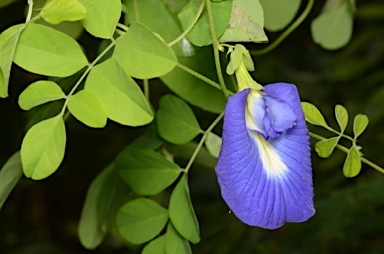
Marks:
<point>264,167</point>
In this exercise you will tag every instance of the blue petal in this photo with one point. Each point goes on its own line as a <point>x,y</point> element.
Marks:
<point>266,182</point>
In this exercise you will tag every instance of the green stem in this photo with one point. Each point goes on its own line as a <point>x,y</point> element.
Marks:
<point>90,67</point>
<point>136,9</point>
<point>30,9</point>
<point>339,133</point>
<point>199,76</point>
<point>197,150</point>
<point>287,32</point>
<point>198,14</point>
<point>122,26</point>
<point>346,150</point>
<point>215,45</point>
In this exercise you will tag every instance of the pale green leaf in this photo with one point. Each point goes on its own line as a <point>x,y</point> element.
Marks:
<point>43,147</point>
<point>140,220</point>
<point>192,89</point>
<point>279,13</point>
<point>8,43</point>
<point>360,123</point>
<point>93,222</point>
<point>213,144</point>
<point>156,246</point>
<point>146,171</point>
<point>142,54</point>
<point>246,23</point>
<point>102,17</point>
<point>200,34</point>
<point>40,92</point>
<point>56,11</point>
<point>324,148</point>
<point>175,243</point>
<point>313,115</point>
<point>240,55</point>
<point>43,50</point>
<point>332,29</point>
<point>88,109</point>
<point>175,120</point>
<point>341,114</point>
<point>122,98</point>
<point>148,13</point>
<point>352,164</point>
<point>181,212</point>
<point>10,174</point>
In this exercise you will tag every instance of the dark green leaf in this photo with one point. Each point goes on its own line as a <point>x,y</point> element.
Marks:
<point>279,13</point>
<point>200,34</point>
<point>175,120</point>
<point>156,246</point>
<point>93,222</point>
<point>192,89</point>
<point>332,29</point>
<point>175,243</point>
<point>146,171</point>
<point>10,174</point>
<point>181,212</point>
<point>140,220</point>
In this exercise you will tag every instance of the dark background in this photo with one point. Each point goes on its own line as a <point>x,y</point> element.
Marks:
<point>42,216</point>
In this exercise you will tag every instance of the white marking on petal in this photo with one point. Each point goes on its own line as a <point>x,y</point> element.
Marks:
<point>272,162</point>
<point>254,112</point>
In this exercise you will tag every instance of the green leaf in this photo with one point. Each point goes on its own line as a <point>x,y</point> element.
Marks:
<point>10,174</point>
<point>8,43</point>
<point>341,114</point>
<point>360,123</point>
<point>324,148</point>
<point>43,147</point>
<point>313,115</point>
<point>43,50</point>
<point>122,98</point>
<point>332,29</point>
<point>192,89</point>
<point>102,17</point>
<point>175,120</point>
<point>5,3</point>
<point>142,54</point>
<point>150,140</point>
<point>246,23</point>
<point>88,109</point>
<point>213,144</point>
<point>200,34</point>
<point>146,171</point>
<point>156,246</point>
<point>148,12</point>
<point>279,13</point>
<point>352,164</point>
<point>93,222</point>
<point>175,243</point>
<point>40,92</point>
<point>181,212</point>
<point>56,11</point>
<point>140,220</point>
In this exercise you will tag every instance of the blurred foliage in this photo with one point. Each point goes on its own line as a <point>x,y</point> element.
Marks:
<point>41,217</point>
